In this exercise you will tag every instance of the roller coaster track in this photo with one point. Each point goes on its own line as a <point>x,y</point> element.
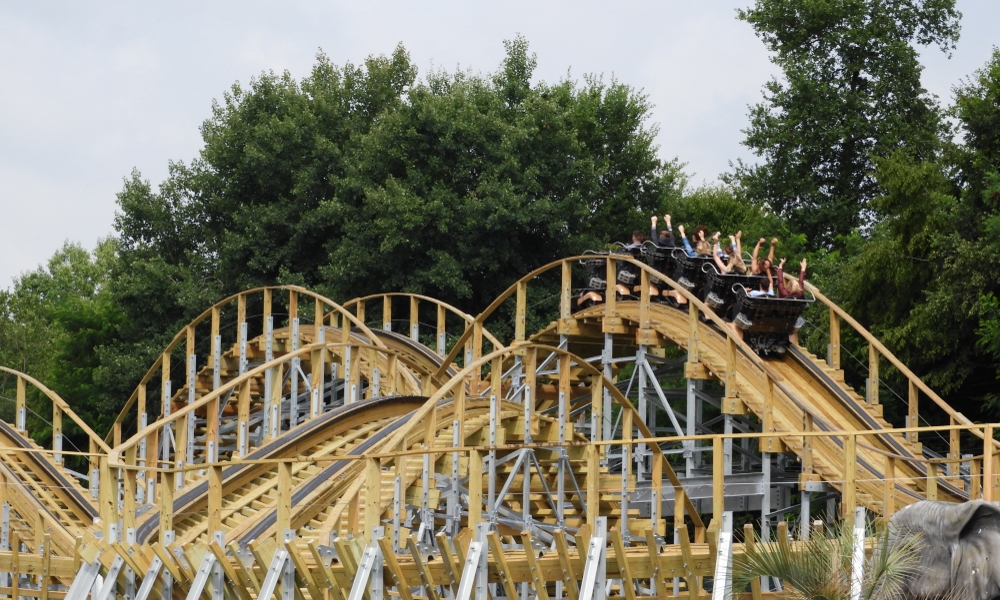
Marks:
<point>280,430</point>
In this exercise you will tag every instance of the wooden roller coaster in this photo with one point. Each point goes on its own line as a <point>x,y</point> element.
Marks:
<point>286,444</point>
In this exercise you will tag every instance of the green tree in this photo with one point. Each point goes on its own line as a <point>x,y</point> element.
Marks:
<point>850,94</point>
<point>932,260</point>
<point>360,179</point>
<point>58,321</point>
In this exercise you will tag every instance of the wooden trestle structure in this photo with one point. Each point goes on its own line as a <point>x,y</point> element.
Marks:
<point>286,444</point>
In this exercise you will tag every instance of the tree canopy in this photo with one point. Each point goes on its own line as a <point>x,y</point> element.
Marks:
<point>850,94</point>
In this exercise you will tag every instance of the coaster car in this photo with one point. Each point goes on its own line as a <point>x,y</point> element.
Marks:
<point>659,258</point>
<point>597,283</point>
<point>689,271</point>
<point>717,292</point>
<point>767,321</point>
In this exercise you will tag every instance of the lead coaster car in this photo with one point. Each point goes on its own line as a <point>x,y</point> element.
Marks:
<point>767,321</point>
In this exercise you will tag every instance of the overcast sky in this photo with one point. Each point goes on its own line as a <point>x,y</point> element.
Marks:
<point>90,91</point>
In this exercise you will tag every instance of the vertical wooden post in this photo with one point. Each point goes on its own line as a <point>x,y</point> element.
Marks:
<point>15,564</point>
<point>730,367</point>
<point>215,334</point>
<point>284,517</point>
<point>913,414</point>
<point>386,315</point>
<point>373,491</point>
<point>954,448</point>
<point>644,300</point>
<point>974,473</point>
<point>932,481</point>
<point>807,445</point>
<point>593,486</point>
<point>215,493</point>
<point>657,474</point>
<point>166,489</point>
<point>20,405</point>
<point>267,310</point>
<point>441,330</point>
<point>889,488</point>
<point>692,333</point>
<point>212,430</point>
<point>769,443</point>
<point>520,311</point>
<point>414,318</point>
<point>611,294</point>
<point>873,377</point>
<point>475,489</point>
<point>243,419</point>
<point>108,498</point>
<point>718,480</point>
<point>57,416</point>
<point>128,493</point>
<point>988,453</point>
<point>566,291</point>
<point>834,339</point>
<point>850,479</point>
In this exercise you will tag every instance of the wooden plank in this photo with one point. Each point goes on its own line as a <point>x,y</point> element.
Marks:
<point>659,575</point>
<point>239,584</point>
<point>500,564</point>
<point>394,570</point>
<point>624,569</point>
<point>452,567</point>
<point>537,582</point>
<point>849,498</point>
<point>750,545</point>
<point>302,569</point>
<point>475,488</point>
<point>571,586</point>
<point>329,581</point>
<point>689,577</point>
<point>244,573</point>
<point>425,577</point>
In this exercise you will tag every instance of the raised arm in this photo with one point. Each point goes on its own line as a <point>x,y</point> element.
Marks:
<point>718,261</point>
<point>652,229</point>
<point>738,244</point>
<point>770,254</point>
<point>753,261</point>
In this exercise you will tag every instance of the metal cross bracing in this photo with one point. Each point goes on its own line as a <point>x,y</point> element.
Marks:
<point>421,457</point>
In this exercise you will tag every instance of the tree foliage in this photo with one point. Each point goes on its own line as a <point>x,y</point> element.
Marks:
<point>364,178</point>
<point>932,260</point>
<point>850,94</point>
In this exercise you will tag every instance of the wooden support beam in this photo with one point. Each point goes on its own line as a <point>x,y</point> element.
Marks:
<point>452,567</point>
<point>750,546</point>
<point>129,489</point>
<point>166,489</point>
<point>500,564</point>
<point>475,488</point>
<point>954,448</point>
<point>688,564</point>
<point>850,483</point>
<point>303,570</point>
<point>889,488</point>
<point>387,312</point>
<point>718,478</point>
<point>932,482</point>
<point>593,483</point>
<point>238,584</point>
<point>395,571</point>
<point>425,577</point>
<point>537,580</point>
<point>283,521</point>
<point>913,411</point>
<point>624,569</point>
<point>571,586</point>
<point>520,311</point>
<point>988,465</point>
<point>215,498</point>
<point>328,580</point>
<point>873,376</point>
<point>373,491</point>
<point>834,339</point>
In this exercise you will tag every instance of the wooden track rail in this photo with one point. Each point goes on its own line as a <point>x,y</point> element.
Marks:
<point>282,445</point>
